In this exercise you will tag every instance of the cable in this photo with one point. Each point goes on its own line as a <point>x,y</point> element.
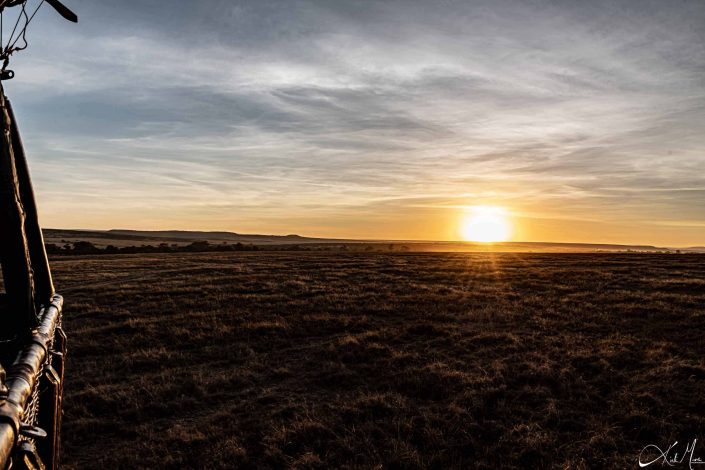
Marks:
<point>5,49</point>
<point>24,29</point>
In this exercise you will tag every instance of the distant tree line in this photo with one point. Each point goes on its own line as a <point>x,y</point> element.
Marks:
<point>88,248</point>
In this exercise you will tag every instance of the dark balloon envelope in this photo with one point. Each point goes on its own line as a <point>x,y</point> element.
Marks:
<point>63,10</point>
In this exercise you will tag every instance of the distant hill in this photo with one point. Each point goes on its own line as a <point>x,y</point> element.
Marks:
<point>193,235</point>
<point>197,235</point>
<point>124,237</point>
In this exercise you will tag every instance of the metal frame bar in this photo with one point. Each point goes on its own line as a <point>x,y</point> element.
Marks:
<point>22,379</point>
<point>43,284</point>
<point>20,315</point>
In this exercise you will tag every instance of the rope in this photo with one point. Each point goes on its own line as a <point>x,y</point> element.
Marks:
<point>9,48</point>
<point>4,52</point>
<point>24,29</point>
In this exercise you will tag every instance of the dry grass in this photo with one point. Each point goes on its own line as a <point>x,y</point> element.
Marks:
<point>400,360</point>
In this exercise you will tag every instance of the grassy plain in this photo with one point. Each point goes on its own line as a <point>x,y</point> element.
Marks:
<point>403,360</point>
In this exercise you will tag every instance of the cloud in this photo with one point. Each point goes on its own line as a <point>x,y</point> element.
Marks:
<point>320,107</point>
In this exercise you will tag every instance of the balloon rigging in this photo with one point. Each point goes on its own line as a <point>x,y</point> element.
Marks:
<point>13,43</point>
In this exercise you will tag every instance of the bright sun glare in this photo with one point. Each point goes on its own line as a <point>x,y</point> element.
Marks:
<point>486,224</point>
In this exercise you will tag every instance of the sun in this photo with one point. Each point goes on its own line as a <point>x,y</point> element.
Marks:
<point>486,224</point>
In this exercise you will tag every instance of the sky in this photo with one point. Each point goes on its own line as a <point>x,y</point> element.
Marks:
<point>388,119</point>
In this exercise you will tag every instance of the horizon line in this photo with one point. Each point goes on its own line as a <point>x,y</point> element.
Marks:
<point>383,240</point>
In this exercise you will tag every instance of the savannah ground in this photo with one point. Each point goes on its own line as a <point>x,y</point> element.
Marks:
<point>402,360</point>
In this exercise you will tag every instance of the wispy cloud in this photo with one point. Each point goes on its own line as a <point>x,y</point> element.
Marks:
<point>205,114</point>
